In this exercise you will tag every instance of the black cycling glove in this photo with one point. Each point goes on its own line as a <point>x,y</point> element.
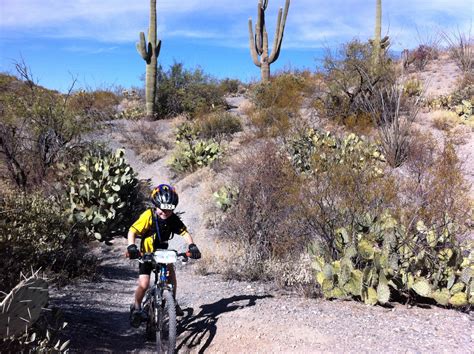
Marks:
<point>195,254</point>
<point>133,252</point>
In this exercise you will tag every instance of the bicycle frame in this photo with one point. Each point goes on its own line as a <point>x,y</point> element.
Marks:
<point>159,302</point>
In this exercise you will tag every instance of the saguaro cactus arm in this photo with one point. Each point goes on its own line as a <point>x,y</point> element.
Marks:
<point>143,49</point>
<point>253,46</point>
<point>279,31</point>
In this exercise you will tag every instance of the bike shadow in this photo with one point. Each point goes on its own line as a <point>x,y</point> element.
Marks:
<point>202,327</point>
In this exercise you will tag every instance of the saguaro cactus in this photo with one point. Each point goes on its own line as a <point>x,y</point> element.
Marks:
<point>259,41</point>
<point>379,44</point>
<point>150,51</point>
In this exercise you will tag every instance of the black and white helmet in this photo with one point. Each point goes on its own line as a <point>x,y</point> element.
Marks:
<point>165,197</point>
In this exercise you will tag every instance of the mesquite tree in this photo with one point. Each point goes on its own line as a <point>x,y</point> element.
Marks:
<point>259,41</point>
<point>149,52</point>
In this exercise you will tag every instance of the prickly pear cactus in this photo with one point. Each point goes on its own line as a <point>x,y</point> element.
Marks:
<point>102,194</point>
<point>191,152</point>
<point>379,259</point>
<point>326,148</point>
<point>225,196</point>
<point>22,307</point>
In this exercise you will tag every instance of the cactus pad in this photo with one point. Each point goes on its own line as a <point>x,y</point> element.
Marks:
<point>441,296</point>
<point>459,299</point>
<point>22,306</point>
<point>422,287</point>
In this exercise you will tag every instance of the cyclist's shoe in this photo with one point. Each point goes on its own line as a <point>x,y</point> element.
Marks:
<point>135,316</point>
<point>144,315</point>
<point>179,311</point>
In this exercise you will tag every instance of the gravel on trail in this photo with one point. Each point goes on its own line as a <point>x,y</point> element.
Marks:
<point>240,317</point>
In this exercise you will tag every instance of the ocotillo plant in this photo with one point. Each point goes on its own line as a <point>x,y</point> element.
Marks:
<point>379,45</point>
<point>149,52</point>
<point>259,41</point>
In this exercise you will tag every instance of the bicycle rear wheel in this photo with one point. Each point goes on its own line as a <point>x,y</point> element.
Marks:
<point>166,320</point>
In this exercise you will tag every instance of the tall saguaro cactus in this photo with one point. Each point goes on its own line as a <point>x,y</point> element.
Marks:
<point>379,44</point>
<point>150,51</point>
<point>259,41</point>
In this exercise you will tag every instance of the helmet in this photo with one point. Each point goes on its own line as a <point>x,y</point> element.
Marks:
<point>165,197</point>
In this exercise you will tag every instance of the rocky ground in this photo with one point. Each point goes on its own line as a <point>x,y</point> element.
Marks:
<point>238,317</point>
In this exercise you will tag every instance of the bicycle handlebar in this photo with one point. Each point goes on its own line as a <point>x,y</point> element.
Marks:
<point>184,255</point>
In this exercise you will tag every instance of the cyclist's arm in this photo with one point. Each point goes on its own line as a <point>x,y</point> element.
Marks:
<point>187,237</point>
<point>131,236</point>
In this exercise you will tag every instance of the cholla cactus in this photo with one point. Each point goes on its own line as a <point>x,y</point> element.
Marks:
<point>259,41</point>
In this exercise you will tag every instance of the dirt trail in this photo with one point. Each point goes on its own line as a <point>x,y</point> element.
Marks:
<point>240,317</point>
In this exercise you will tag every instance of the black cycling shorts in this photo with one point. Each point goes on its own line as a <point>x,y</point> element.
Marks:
<point>145,268</point>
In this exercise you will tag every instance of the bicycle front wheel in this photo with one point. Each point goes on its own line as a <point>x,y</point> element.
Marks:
<point>166,320</point>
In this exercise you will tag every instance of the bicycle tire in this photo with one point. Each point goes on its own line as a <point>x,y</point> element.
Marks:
<point>150,323</point>
<point>166,328</point>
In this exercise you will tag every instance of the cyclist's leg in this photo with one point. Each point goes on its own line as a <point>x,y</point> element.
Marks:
<point>143,283</point>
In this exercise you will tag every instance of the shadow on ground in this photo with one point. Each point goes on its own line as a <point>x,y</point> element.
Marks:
<point>199,330</point>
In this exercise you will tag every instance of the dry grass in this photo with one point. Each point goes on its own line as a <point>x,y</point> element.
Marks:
<point>444,120</point>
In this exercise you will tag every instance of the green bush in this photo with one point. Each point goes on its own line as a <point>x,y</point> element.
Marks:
<point>277,102</point>
<point>38,128</point>
<point>104,194</point>
<point>217,124</point>
<point>349,76</point>
<point>259,220</point>
<point>186,91</point>
<point>34,234</point>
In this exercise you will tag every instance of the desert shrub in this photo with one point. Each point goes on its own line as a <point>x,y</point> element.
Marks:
<point>375,239</point>
<point>187,91</point>
<point>261,224</point>
<point>349,75</point>
<point>98,104</point>
<point>38,127</point>
<point>192,152</point>
<point>421,56</point>
<point>104,194</point>
<point>344,180</point>
<point>146,140</point>
<point>277,102</point>
<point>131,106</point>
<point>412,88</point>
<point>394,116</point>
<point>230,86</point>
<point>218,124</point>
<point>461,48</point>
<point>34,234</point>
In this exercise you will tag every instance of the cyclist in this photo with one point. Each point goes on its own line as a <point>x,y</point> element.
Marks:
<point>156,226</point>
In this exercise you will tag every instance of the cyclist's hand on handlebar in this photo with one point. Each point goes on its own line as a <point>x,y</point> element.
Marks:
<point>195,254</point>
<point>133,252</point>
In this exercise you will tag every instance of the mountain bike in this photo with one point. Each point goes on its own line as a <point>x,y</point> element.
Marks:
<point>158,303</point>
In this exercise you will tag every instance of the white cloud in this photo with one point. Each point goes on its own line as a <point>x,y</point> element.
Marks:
<point>311,23</point>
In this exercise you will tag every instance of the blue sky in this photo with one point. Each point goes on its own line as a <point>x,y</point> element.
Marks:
<point>94,40</point>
